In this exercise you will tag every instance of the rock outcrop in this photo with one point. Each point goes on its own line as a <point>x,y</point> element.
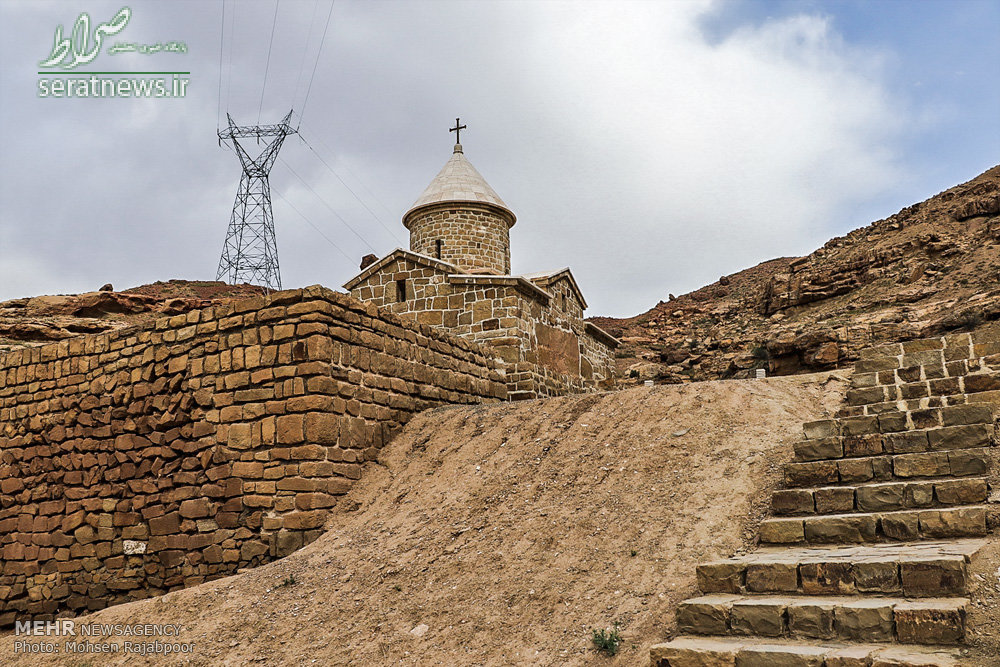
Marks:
<point>930,269</point>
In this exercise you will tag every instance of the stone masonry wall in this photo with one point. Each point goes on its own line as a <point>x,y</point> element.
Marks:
<point>544,343</point>
<point>153,458</point>
<point>476,238</point>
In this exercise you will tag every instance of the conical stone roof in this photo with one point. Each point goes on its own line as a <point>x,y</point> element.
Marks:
<point>458,181</point>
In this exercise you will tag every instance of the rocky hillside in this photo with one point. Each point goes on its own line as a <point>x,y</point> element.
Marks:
<point>44,319</point>
<point>931,268</point>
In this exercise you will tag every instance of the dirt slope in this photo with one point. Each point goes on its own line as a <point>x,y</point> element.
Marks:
<point>931,268</point>
<point>510,531</point>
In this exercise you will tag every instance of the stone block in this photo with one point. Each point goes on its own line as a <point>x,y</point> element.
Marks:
<point>792,501</point>
<point>966,414</point>
<point>824,428</point>
<point>840,529</point>
<point>195,508</point>
<point>908,442</point>
<point>876,497</point>
<point>289,429</point>
<point>930,622</point>
<point>863,445</point>
<point>900,526</point>
<point>781,656</point>
<point>827,578</point>
<point>816,473</point>
<point>811,619</point>
<point>880,576</point>
<point>923,577</point>
<point>961,491</point>
<point>781,531</point>
<point>855,470</point>
<point>819,449</point>
<point>865,620</point>
<point>960,437</point>
<point>955,522</point>
<point>758,616</point>
<point>932,464</point>
<point>834,499</point>
<point>703,653</point>
<point>707,615</point>
<point>772,577</point>
<point>859,425</point>
<point>963,462</point>
<point>720,577</point>
<point>849,656</point>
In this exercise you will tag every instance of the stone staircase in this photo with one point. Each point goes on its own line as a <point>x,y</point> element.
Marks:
<point>865,562</point>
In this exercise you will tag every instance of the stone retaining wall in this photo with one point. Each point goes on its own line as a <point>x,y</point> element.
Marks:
<point>154,458</point>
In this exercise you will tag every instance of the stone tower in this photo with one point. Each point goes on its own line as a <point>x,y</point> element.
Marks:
<point>461,220</point>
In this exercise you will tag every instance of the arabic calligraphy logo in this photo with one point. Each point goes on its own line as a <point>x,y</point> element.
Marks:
<point>79,45</point>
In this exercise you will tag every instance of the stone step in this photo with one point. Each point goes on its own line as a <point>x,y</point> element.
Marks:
<point>909,385</point>
<point>863,619</point>
<point>880,497</point>
<point>937,439</point>
<point>687,651</point>
<point>888,468</point>
<point>922,569</point>
<point>929,524</point>
<point>897,420</point>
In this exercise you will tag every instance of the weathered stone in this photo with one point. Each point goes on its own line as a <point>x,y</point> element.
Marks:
<point>792,501</point>
<point>834,499</point>
<point>811,619</point>
<point>955,522</point>
<point>875,497</point>
<point>865,620</point>
<point>840,529</point>
<point>708,615</point>
<point>961,491</point>
<point>932,577</point>
<point>876,576</point>
<point>827,578</point>
<point>758,616</point>
<point>771,577</point>
<point>900,526</point>
<point>930,622</point>
<point>781,531</point>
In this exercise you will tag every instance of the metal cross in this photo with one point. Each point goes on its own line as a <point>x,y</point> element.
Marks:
<point>458,131</point>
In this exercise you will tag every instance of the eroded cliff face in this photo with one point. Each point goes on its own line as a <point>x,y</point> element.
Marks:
<point>931,268</point>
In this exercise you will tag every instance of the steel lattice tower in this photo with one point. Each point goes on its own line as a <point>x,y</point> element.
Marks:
<point>250,253</point>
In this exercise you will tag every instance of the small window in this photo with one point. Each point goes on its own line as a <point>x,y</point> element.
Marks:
<point>439,245</point>
<point>563,295</point>
<point>401,290</point>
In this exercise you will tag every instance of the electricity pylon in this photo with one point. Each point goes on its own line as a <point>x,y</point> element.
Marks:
<point>250,254</point>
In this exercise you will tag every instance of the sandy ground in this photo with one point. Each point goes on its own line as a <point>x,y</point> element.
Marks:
<point>505,534</point>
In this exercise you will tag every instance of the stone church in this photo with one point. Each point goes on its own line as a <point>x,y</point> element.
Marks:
<point>456,275</point>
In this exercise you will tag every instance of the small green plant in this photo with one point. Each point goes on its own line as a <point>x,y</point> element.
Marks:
<point>608,641</point>
<point>397,587</point>
<point>289,580</point>
<point>633,553</point>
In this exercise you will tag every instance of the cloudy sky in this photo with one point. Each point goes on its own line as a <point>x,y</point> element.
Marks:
<point>651,146</point>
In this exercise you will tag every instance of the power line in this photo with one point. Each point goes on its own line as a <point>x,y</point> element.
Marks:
<point>344,183</point>
<point>222,40</point>
<point>319,141</point>
<point>328,240</point>
<point>229,69</point>
<point>318,53</point>
<point>305,52</point>
<point>338,216</point>
<point>267,65</point>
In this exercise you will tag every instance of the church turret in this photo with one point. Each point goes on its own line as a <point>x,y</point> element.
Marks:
<point>460,219</point>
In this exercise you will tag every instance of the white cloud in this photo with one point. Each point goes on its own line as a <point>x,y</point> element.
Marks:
<point>644,155</point>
